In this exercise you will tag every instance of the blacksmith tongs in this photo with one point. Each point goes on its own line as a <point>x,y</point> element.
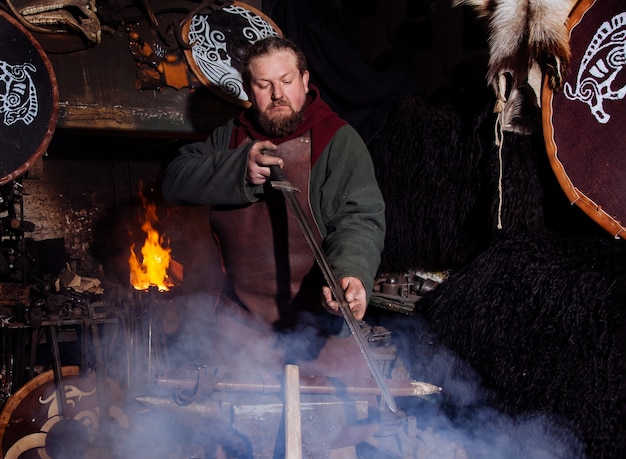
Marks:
<point>280,182</point>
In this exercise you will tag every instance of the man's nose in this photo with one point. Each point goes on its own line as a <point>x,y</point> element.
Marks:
<point>277,93</point>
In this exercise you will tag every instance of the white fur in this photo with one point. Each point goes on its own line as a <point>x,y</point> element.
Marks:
<point>549,21</point>
<point>521,33</point>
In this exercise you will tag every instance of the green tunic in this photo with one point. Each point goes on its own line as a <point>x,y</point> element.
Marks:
<point>345,198</point>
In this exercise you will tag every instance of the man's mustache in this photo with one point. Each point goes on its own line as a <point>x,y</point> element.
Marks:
<point>281,103</point>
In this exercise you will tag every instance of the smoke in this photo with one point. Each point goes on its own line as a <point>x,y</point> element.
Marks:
<point>463,415</point>
<point>214,343</point>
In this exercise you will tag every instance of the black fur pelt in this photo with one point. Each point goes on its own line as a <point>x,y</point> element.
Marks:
<point>540,318</point>
<point>429,165</point>
<point>439,171</point>
<point>535,297</point>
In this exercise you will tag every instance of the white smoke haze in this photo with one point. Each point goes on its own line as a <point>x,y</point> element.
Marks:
<point>465,417</point>
<point>455,424</point>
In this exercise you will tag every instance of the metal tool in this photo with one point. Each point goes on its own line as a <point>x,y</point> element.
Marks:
<point>281,183</point>
<point>204,380</point>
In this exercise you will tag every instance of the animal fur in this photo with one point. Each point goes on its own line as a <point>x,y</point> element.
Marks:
<point>540,318</point>
<point>527,40</point>
<point>534,308</point>
<point>437,168</point>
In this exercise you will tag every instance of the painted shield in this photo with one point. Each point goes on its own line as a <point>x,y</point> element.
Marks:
<point>217,43</point>
<point>28,99</point>
<point>32,425</point>
<point>584,123</point>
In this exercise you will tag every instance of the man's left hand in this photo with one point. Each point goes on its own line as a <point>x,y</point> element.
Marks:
<point>355,294</point>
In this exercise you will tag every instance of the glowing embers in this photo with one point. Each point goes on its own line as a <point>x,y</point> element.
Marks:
<point>151,269</point>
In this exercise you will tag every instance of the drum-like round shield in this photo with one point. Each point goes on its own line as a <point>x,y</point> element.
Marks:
<point>32,426</point>
<point>584,123</point>
<point>218,42</point>
<point>28,99</point>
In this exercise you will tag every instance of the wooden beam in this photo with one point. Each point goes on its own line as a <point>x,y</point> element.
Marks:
<point>293,422</point>
<point>98,91</point>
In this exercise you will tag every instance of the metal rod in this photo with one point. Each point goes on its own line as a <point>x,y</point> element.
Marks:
<point>100,370</point>
<point>57,370</point>
<point>188,379</point>
<point>282,183</point>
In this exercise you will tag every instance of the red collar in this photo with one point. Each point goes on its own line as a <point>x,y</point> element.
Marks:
<point>318,118</point>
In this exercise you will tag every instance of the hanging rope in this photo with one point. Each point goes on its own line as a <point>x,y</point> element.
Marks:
<point>499,138</point>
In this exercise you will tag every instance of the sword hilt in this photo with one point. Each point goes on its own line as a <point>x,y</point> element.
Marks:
<point>278,174</point>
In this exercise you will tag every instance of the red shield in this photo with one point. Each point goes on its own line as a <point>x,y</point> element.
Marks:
<point>584,123</point>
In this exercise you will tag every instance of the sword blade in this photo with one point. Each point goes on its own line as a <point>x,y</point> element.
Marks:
<point>288,190</point>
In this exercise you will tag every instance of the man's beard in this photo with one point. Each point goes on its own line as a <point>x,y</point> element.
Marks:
<point>280,126</point>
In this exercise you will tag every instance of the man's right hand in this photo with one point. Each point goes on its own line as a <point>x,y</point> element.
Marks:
<point>260,159</point>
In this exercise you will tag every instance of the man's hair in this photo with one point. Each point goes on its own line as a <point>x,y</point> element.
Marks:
<point>270,45</point>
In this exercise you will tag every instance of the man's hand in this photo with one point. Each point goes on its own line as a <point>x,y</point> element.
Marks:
<point>260,159</point>
<point>355,294</point>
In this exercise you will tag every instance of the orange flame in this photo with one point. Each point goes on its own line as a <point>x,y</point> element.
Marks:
<point>152,270</point>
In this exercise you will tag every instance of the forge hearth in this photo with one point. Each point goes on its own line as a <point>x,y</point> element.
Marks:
<point>86,193</point>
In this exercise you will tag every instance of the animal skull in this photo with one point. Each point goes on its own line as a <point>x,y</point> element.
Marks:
<point>59,16</point>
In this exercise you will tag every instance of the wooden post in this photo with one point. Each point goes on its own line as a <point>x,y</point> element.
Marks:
<point>293,424</point>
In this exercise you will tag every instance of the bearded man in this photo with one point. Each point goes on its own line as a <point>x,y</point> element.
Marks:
<point>270,267</point>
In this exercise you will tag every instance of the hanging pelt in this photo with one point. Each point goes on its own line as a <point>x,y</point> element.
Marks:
<point>540,317</point>
<point>438,171</point>
<point>527,40</point>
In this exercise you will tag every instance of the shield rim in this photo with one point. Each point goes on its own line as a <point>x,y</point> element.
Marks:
<point>575,195</point>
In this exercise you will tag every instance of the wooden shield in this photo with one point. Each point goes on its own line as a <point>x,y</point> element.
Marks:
<point>217,44</point>
<point>31,416</point>
<point>29,99</point>
<point>584,123</point>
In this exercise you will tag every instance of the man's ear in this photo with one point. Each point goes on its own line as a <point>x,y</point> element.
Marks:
<point>305,80</point>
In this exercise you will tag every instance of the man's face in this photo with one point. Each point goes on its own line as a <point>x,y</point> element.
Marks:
<point>278,92</point>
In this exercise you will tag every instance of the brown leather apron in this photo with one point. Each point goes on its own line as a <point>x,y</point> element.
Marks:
<point>264,253</point>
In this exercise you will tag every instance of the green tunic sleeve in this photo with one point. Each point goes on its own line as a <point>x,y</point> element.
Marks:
<point>209,173</point>
<point>349,207</point>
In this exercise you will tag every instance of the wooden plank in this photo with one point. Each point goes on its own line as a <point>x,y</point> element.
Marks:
<point>293,422</point>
